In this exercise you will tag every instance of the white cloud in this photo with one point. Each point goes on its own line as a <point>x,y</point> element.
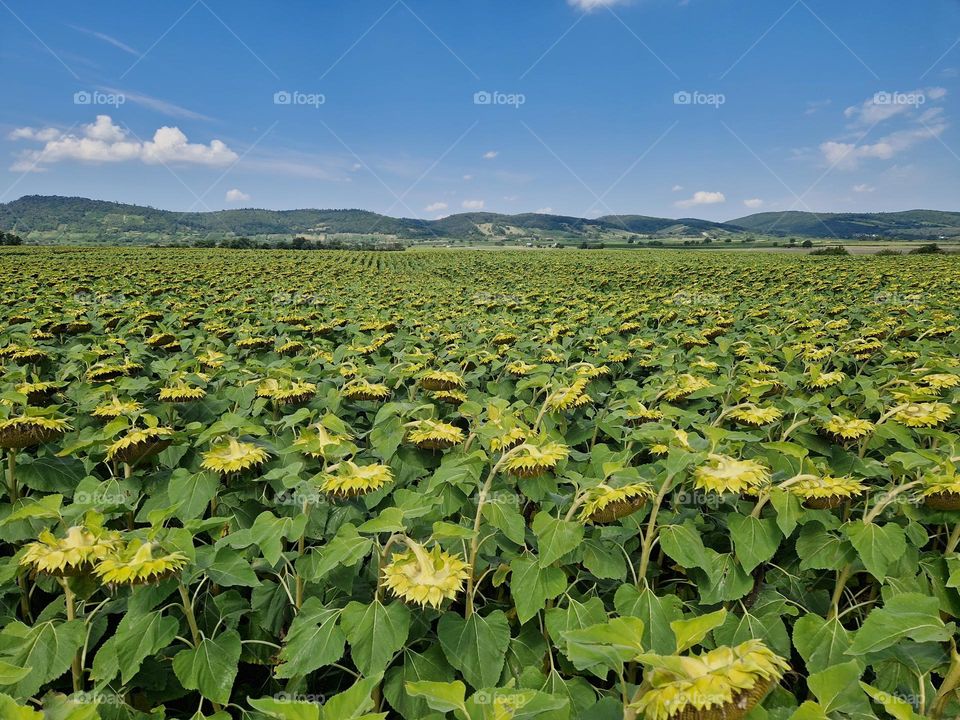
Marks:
<point>473,204</point>
<point>490,155</point>
<point>107,39</point>
<point>468,178</point>
<point>816,105</point>
<point>702,197</point>
<point>885,105</point>
<point>435,207</point>
<point>104,142</point>
<point>847,156</point>
<point>237,196</point>
<point>588,5</point>
<point>545,211</point>
<point>753,203</point>
<point>863,188</point>
<point>677,188</point>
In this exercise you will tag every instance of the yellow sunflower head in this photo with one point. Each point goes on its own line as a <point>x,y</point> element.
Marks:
<point>941,491</point>
<point>847,428</point>
<point>181,392</point>
<point>425,577</point>
<point>519,368</point>
<point>724,474</point>
<point>140,564</point>
<point>434,435</point>
<point>817,379</point>
<point>685,385</point>
<point>755,415</point>
<point>140,443</point>
<point>605,504</point>
<point>452,397</point>
<point>722,684</point>
<point>827,491</point>
<point>364,390</point>
<point>115,407</point>
<point>940,381</point>
<point>233,456</point>
<point>920,415</point>
<point>570,396</point>
<point>286,392</point>
<point>23,431</point>
<point>351,480</point>
<point>442,380</point>
<point>508,438</point>
<point>74,554</point>
<point>638,413</point>
<point>535,457</point>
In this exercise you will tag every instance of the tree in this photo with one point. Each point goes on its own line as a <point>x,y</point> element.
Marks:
<point>10,239</point>
<point>807,244</point>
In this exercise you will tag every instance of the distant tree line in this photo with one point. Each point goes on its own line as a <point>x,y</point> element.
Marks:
<point>299,243</point>
<point>10,239</point>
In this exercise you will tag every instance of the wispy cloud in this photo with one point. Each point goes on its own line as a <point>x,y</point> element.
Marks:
<point>435,207</point>
<point>753,203</point>
<point>473,204</point>
<point>490,154</point>
<point>110,40</point>
<point>588,5</point>
<point>161,106</point>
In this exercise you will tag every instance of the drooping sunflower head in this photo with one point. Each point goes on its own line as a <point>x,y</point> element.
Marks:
<point>442,380</point>
<point>941,491</point>
<point>181,392</point>
<point>685,385</point>
<point>38,392</point>
<point>941,381</point>
<point>519,368</point>
<point>605,504</point>
<point>23,431</point>
<point>425,577</point>
<point>233,455</point>
<point>115,407</point>
<point>535,457</point>
<point>286,392</point>
<point>434,434</point>
<point>827,491</point>
<point>351,480</point>
<point>722,684</point>
<point>140,563</point>
<point>74,554</point>
<point>818,379</point>
<point>756,416</point>
<point>140,443</point>
<point>920,415</point>
<point>508,438</point>
<point>362,389</point>
<point>637,413</point>
<point>570,396</point>
<point>451,397</point>
<point>847,428</point>
<point>319,442</point>
<point>724,474</point>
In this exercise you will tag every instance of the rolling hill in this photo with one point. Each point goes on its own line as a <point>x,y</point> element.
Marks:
<point>55,219</point>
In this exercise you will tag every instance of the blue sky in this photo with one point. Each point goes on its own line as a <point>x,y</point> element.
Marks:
<point>696,108</point>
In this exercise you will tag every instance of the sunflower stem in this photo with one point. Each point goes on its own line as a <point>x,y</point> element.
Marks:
<point>12,489</point>
<point>187,606</point>
<point>651,532</point>
<point>76,666</point>
<point>842,578</point>
<point>953,540</point>
<point>949,685</point>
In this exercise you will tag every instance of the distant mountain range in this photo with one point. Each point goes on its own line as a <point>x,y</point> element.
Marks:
<point>55,219</point>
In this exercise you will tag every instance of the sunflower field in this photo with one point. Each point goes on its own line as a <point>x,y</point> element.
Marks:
<point>480,485</point>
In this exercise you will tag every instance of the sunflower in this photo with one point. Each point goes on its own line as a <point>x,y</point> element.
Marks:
<point>722,684</point>
<point>918,415</point>
<point>756,416</point>
<point>507,438</point>
<point>316,441</point>
<point>74,554</point>
<point>942,492</point>
<point>441,380</point>
<point>425,577</point>
<point>453,397</point>
<point>827,491</point>
<point>847,428</point>
<point>351,480</point>
<point>291,347</point>
<point>589,370</point>
<point>637,413</point>
<point>286,392</point>
<point>724,474</point>
<point>140,564</point>
<point>211,359</point>
<point>116,407</point>
<point>254,343</point>
<point>940,381</point>
<point>233,456</point>
<point>519,368</point>
<point>818,380</point>
<point>181,392</point>
<point>685,385</point>
<point>38,393</point>
<point>605,504</point>
<point>570,396</point>
<point>364,390</point>
<point>535,457</point>
<point>23,431</point>
<point>140,443</point>
<point>434,435</point>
